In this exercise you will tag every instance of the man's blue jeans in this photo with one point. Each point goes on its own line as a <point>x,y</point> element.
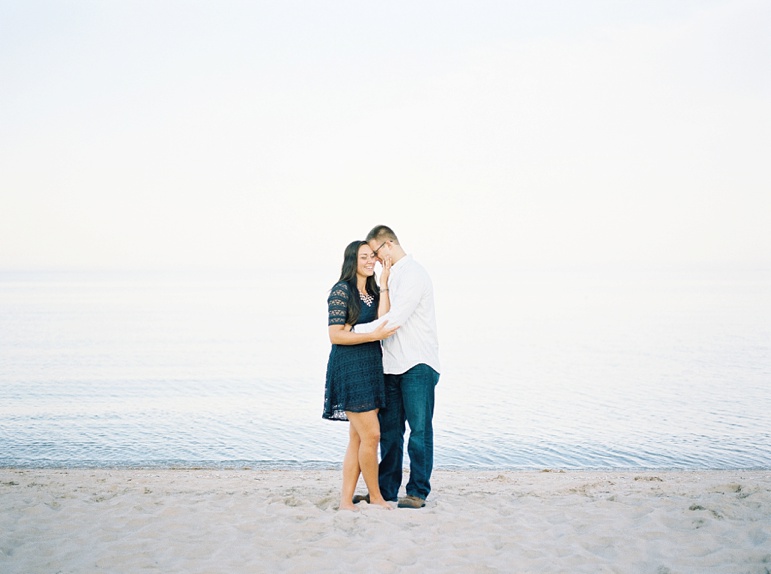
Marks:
<point>410,398</point>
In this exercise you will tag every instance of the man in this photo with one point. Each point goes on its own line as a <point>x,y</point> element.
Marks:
<point>411,366</point>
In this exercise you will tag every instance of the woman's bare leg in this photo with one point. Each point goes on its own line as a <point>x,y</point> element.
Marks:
<point>368,428</point>
<point>351,470</point>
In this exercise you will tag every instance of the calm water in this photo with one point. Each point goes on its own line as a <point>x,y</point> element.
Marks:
<point>541,370</point>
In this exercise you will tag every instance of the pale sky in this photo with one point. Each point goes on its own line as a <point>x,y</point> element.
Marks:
<point>179,133</point>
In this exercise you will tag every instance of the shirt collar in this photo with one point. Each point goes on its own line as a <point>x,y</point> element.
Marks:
<point>402,262</point>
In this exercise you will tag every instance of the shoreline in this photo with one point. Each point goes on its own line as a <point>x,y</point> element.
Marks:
<point>236,520</point>
<point>323,466</point>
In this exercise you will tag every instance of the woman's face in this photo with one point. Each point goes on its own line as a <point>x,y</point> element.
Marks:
<point>366,262</point>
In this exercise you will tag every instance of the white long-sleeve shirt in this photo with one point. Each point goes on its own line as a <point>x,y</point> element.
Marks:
<point>412,309</point>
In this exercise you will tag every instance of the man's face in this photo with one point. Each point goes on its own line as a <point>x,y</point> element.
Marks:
<point>380,248</point>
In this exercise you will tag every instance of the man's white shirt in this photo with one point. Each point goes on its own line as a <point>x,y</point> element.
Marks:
<point>412,309</point>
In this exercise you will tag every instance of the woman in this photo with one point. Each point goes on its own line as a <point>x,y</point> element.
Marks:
<point>355,389</point>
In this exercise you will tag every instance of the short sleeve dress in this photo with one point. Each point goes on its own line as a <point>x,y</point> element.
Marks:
<point>354,372</point>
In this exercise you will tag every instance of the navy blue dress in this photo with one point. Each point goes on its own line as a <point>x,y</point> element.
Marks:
<point>354,372</point>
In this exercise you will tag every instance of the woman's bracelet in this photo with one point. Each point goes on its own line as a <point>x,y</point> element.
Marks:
<point>383,290</point>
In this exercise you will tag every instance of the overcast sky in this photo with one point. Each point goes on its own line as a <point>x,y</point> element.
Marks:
<point>178,133</point>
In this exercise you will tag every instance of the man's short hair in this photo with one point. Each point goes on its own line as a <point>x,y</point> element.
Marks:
<point>382,233</point>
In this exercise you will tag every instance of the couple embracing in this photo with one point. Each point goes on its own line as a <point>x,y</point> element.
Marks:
<point>382,370</point>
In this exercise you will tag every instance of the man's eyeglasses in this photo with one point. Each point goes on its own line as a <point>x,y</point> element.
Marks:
<point>379,248</point>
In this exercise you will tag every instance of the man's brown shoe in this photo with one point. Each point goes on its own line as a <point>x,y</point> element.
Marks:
<point>411,502</point>
<point>357,498</point>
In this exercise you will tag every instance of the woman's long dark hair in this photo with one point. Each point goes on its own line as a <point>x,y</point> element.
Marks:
<point>348,274</point>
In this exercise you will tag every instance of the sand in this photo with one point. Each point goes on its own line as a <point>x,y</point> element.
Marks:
<point>242,520</point>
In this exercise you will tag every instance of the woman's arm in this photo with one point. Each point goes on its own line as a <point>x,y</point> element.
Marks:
<point>342,334</point>
<point>385,303</point>
<point>385,300</point>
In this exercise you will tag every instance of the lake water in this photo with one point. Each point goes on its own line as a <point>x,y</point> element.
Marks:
<point>541,369</point>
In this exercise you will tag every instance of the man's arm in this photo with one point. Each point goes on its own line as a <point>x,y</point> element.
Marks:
<point>369,327</point>
<point>403,305</point>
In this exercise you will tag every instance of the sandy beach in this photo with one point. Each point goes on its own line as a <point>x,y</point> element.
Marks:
<point>210,521</point>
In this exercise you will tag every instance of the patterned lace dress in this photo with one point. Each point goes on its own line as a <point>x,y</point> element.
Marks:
<point>354,372</point>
